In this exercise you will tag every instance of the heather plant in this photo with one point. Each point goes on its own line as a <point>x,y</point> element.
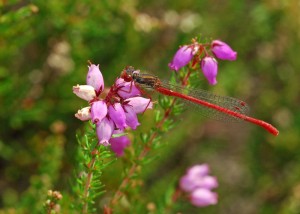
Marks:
<point>113,116</point>
<point>134,148</point>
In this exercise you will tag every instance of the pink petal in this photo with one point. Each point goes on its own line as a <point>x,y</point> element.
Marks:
<point>139,104</point>
<point>98,111</point>
<point>118,144</point>
<point>104,131</point>
<point>203,197</point>
<point>222,50</point>
<point>127,89</point>
<point>187,184</point>
<point>94,78</point>
<point>199,170</point>
<point>182,57</point>
<point>210,69</point>
<point>117,114</point>
<point>131,117</point>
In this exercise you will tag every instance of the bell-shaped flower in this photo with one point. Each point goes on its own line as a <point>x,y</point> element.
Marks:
<point>189,183</point>
<point>203,197</point>
<point>118,144</point>
<point>209,66</point>
<point>104,131</point>
<point>131,117</point>
<point>94,78</point>
<point>198,184</point>
<point>182,57</point>
<point>223,51</point>
<point>126,89</point>
<point>98,111</point>
<point>117,114</point>
<point>84,114</point>
<point>85,92</point>
<point>198,170</point>
<point>197,177</point>
<point>139,104</point>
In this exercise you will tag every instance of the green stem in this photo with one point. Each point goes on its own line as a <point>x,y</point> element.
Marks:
<point>87,186</point>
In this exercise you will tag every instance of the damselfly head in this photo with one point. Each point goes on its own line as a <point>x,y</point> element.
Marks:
<point>127,73</point>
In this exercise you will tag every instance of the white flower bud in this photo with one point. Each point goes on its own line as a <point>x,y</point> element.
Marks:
<point>85,92</point>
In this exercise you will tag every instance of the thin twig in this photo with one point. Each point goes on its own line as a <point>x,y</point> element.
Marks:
<point>87,186</point>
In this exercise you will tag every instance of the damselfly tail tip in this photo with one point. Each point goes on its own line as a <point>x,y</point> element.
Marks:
<point>273,130</point>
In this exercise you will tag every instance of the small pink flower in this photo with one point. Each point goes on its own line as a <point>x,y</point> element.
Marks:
<point>117,114</point>
<point>84,114</point>
<point>209,66</point>
<point>85,92</point>
<point>131,117</point>
<point>198,170</point>
<point>94,78</point>
<point>98,111</point>
<point>127,89</point>
<point>223,51</point>
<point>139,104</point>
<point>118,144</point>
<point>104,131</point>
<point>182,57</point>
<point>198,184</point>
<point>203,197</point>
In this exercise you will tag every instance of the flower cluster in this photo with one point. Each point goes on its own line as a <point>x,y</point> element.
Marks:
<point>117,111</point>
<point>198,184</point>
<point>198,53</point>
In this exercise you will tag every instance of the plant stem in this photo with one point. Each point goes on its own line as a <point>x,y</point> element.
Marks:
<point>87,186</point>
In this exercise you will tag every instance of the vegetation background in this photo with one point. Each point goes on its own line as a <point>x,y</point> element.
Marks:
<point>44,48</point>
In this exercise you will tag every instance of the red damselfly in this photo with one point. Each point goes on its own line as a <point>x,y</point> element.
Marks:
<point>215,106</point>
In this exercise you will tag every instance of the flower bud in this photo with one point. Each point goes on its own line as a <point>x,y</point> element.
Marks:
<point>118,144</point>
<point>117,114</point>
<point>131,117</point>
<point>98,111</point>
<point>203,197</point>
<point>104,131</point>
<point>139,104</point>
<point>94,78</point>
<point>222,50</point>
<point>209,66</point>
<point>84,114</point>
<point>85,92</point>
<point>182,57</point>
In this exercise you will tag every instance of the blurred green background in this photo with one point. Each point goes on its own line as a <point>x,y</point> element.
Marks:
<point>44,48</point>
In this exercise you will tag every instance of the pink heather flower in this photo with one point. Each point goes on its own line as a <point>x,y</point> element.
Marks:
<point>84,114</point>
<point>127,89</point>
<point>118,144</point>
<point>104,131</point>
<point>209,66</point>
<point>182,57</point>
<point>139,104</point>
<point>197,176</point>
<point>198,184</point>
<point>98,111</point>
<point>199,170</point>
<point>189,183</point>
<point>131,117</point>
<point>222,50</point>
<point>117,114</point>
<point>85,92</point>
<point>94,78</point>
<point>203,197</point>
